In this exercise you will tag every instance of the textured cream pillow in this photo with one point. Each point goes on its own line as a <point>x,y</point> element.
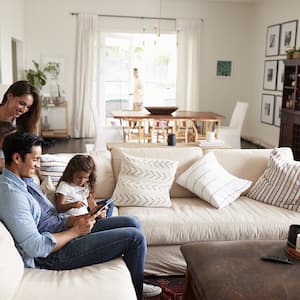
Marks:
<point>280,183</point>
<point>48,189</point>
<point>211,182</point>
<point>144,182</point>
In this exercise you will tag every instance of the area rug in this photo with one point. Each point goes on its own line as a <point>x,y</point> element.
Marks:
<point>172,287</point>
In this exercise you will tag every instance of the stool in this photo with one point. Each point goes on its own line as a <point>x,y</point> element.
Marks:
<point>233,270</point>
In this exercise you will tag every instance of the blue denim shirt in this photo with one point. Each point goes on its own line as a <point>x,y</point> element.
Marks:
<point>50,219</point>
<point>21,213</point>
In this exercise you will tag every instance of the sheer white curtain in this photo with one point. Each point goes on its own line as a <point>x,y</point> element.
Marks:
<point>188,64</point>
<point>85,106</point>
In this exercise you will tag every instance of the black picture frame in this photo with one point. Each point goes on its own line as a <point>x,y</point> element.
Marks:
<point>270,75</point>
<point>267,109</point>
<point>277,110</point>
<point>272,40</point>
<point>280,75</point>
<point>288,36</point>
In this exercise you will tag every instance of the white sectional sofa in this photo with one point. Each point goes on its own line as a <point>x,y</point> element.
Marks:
<point>166,228</point>
<point>94,282</point>
<point>191,219</point>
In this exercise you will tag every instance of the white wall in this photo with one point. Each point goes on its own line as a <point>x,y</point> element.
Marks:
<point>227,34</point>
<point>11,26</point>
<point>268,12</point>
<point>233,31</point>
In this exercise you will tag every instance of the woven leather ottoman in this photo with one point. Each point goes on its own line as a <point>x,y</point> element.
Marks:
<point>233,270</point>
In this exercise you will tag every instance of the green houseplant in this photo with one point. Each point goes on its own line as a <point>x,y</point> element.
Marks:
<point>36,76</point>
<point>290,53</point>
<point>296,54</point>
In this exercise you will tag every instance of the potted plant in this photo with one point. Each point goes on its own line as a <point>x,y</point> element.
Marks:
<point>53,69</point>
<point>36,77</point>
<point>290,53</point>
<point>296,54</point>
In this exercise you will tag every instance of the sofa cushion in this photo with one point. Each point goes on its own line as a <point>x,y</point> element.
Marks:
<point>144,182</point>
<point>93,282</point>
<point>11,265</point>
<point>191,219</point>
<point>211,182</point>
<point>247,163</point>
<point>280,183</point>
<point>105,183</point>
<point>185,156</point>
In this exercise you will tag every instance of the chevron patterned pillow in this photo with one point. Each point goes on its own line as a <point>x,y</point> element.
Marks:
<point>144,182</point>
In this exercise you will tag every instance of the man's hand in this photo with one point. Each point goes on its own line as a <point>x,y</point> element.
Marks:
<point>81,225</point>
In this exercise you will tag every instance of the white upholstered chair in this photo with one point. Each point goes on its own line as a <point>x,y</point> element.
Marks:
<point>231,135</point>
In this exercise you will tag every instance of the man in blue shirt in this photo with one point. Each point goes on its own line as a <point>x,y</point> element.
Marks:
<point>49,241</point>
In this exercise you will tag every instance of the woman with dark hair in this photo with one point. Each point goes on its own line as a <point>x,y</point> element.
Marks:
<point>21,105</point>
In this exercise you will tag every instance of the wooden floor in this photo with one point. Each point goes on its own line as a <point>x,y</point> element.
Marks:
<point>66,145</point>
<point>79,145</point>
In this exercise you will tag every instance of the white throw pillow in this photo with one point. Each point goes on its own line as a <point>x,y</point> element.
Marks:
<point>211,182</point>
<point>280,183</point>
<point>144,182</point>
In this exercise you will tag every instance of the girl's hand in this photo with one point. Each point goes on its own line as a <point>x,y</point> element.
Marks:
<point>91,196</point>
<point>78,204</point>
<point>91,201</point>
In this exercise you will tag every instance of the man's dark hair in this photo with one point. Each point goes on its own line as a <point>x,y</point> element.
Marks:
<point>21,143</point>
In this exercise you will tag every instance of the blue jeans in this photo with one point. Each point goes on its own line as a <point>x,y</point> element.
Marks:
<point>110,238</point>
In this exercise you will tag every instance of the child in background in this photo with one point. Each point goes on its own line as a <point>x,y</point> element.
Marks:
<point>5,129</point>
<point>75,189</point>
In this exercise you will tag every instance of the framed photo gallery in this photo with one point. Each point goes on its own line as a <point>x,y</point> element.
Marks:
<point>279,39</point>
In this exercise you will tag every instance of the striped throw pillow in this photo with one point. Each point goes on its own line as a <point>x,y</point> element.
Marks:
<point>144,182</point>
<point>53,166</point>
<point>280,183</point>
<point>211,182</point>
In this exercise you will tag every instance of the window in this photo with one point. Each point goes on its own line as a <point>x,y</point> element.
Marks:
<point>156,59</point>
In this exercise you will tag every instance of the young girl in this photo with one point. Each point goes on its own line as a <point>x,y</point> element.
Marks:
<point>75,189</point>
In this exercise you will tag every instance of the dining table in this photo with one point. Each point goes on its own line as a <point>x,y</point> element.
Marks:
<point>188,126</point>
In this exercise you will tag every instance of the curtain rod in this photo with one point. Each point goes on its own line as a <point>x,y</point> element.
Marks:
<point>131,17</point>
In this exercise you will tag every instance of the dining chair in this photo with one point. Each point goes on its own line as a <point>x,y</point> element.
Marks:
<point>231,135</point>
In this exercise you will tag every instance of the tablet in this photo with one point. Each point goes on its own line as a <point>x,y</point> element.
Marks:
<point>101,207</point>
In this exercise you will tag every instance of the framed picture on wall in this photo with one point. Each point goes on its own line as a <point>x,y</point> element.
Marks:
<point>270,75</point>
<point>272,40</point>
<point>288,36</point>
<point>267,109</point>
<point>224,68</point>
<point>280,75</point>
<point>277,110</point>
